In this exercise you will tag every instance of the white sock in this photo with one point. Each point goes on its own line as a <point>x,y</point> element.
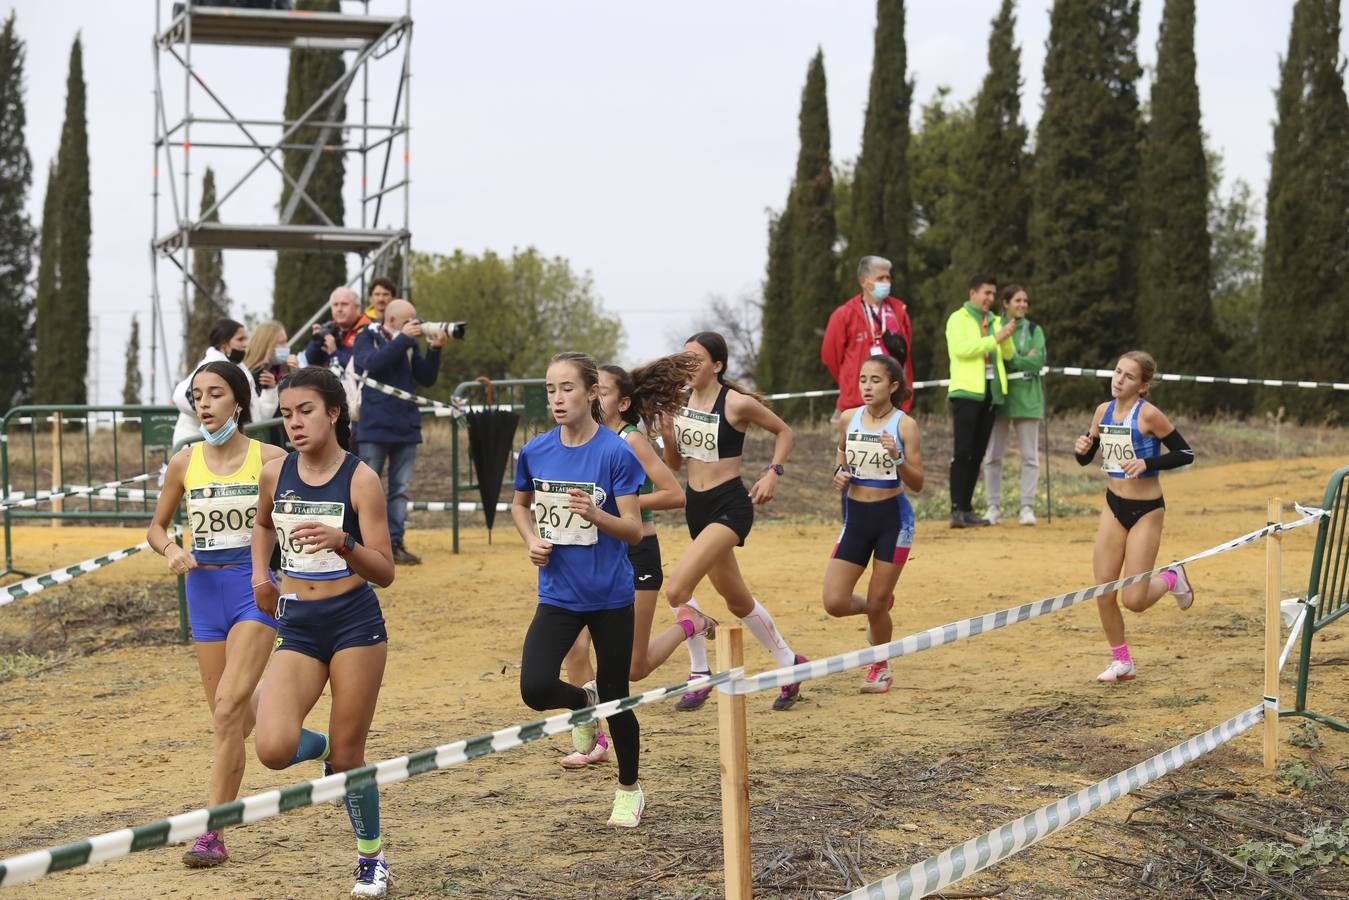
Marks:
<point>760,624</point>
<point>697,647</point>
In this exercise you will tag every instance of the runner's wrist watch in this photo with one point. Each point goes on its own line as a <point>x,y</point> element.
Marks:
<point>348,545</point>
<point>776,468</point>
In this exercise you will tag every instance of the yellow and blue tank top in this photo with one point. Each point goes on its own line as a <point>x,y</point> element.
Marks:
<point>221,508</point>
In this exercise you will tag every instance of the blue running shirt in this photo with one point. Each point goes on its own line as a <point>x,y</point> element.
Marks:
<point>587,570</point>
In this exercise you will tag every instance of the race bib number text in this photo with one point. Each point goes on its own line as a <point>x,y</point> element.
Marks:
<point>221,515</point>
<point>556,522</point>
<point>868,459</point>
<point>697,434</point>
<point>288,515</point>
<point>1117,447</point>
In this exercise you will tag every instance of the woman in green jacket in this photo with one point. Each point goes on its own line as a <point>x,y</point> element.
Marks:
<point>1023,411</point>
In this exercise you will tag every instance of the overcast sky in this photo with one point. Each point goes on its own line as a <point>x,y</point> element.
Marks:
<point>643,142</point>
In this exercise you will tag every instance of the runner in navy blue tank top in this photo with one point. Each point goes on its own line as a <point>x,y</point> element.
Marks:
<point>1130,432</point>
<point>709,433</point>
<point>327,510</point>
<point>576,509</point>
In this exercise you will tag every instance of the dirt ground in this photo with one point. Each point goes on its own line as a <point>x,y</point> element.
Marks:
<point>970,736</point>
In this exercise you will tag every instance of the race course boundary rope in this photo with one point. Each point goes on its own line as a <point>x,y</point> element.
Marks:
<point>38,583</point>
<point>1101,373</point>
<point>185,826</point>
<point>77,491</point>
<point>946,868</point>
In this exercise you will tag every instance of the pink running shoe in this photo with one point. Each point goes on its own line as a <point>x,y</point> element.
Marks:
<point>578,760</point>
<point>694,699</point>
<point>787,697</point>
<point>877,680</point>
<point>703,624</point>
<point>209,850</point>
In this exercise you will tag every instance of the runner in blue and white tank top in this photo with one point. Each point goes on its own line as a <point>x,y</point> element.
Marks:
<point>879,454</point>
<point>327,510</point>
<point>576,509</point>
<point>1131,433</point>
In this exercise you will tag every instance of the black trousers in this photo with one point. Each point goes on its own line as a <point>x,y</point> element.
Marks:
<point>550,636</point>
<point>972,423</point>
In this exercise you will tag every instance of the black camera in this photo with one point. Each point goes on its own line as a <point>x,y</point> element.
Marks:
<point>328,328</point>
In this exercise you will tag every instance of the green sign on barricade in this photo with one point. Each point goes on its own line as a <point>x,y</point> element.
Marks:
<point>157,429</point>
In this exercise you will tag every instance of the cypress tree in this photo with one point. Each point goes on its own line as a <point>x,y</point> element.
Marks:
<point>72,292</point>
<point>1174,303</point>
<point>17,237</point>
<point>1304,311</point>
<point>49,357</point>
<point>304,280</point>
<point>1083,222</point>
<point>991,185</point>
<point>210,301</point>
<point>882,208</point>
<point>131,385</point>
<point>814,284</point>
<point>776,314</point>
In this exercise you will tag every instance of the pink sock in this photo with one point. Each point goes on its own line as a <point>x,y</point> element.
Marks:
<point>1169,576</point>
<point>687,625</point>
<point>1121,653</point>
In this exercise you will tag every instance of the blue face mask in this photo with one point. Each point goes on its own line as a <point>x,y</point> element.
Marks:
<point>880,290</point>
<point>281,355</point>
<point>222,434</point>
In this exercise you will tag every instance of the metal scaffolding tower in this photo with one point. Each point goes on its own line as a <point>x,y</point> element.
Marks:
<point>382,233</point>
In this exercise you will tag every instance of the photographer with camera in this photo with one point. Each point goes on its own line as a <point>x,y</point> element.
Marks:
<point>391,427</point>
<point>337,338</point>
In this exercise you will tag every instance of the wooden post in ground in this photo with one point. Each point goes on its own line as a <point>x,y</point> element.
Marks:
<point>734,770</point>
<point>57,476</point>
<point>1273,574</point>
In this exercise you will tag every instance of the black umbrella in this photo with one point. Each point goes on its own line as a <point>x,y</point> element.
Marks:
<point>491,432</point>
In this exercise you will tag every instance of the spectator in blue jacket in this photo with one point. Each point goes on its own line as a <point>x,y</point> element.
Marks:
<point>391,427</point>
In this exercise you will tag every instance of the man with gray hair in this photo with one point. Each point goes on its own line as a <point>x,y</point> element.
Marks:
<point>337,338</point>
<point>872,323</point>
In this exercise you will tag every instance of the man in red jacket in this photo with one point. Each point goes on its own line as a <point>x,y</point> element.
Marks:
<point>869,324</point>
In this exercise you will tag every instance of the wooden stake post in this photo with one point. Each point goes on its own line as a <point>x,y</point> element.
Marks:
<point>1273,573</point>
<point>734,770</point>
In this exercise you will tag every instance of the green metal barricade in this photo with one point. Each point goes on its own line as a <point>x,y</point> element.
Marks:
<point>1327,588</point>
<point>54,447</point>
<point>524,395</point>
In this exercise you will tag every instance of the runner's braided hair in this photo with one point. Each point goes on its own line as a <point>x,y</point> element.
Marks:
<point>329,388</point>
<point>657,388</point>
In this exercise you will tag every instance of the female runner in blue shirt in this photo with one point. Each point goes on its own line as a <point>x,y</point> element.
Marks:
<point>878,456</point>
<point>1131,433</point>
<point>232,637</point>
<point>327,510</point>
<point>576,509</point>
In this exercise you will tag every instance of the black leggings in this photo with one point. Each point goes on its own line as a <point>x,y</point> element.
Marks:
<point>550,636</point>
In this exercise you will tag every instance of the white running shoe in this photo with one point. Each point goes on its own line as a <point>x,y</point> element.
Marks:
<point>1027,516</point>
<point>1117,671</point>
<point>1183,591</point>
<point>993,516</point>
<point>584,737</point>
<point>628,808</point>
<point>372,877</point>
